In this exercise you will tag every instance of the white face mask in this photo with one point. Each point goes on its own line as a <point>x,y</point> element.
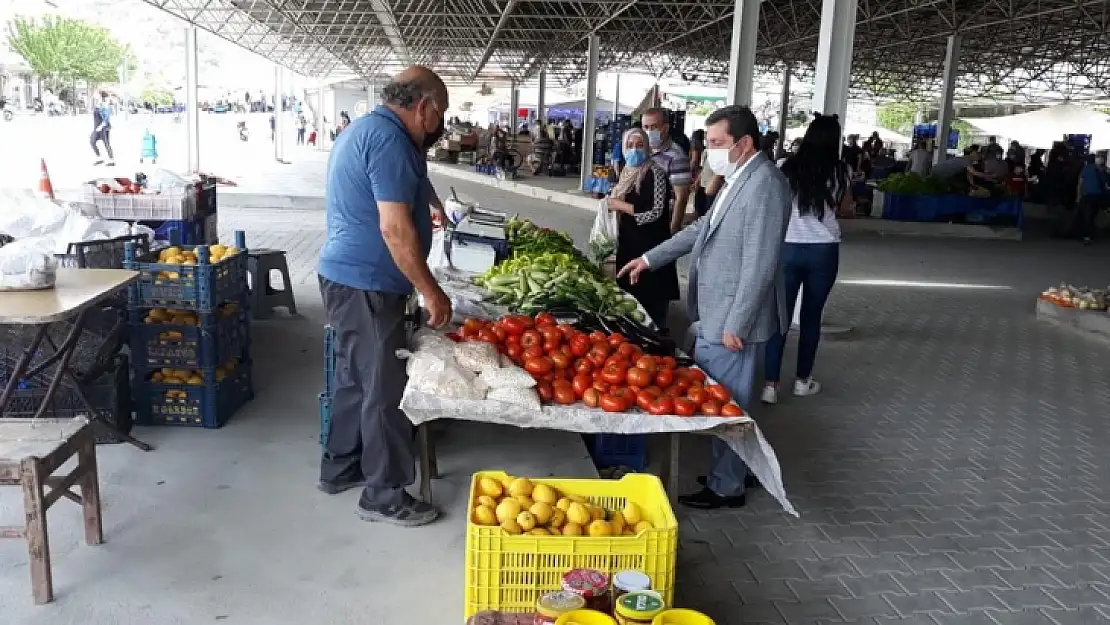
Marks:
<point>718,161</point>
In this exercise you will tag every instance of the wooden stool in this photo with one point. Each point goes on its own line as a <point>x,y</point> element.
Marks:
<point>31,450</point>
<point>264,298</point>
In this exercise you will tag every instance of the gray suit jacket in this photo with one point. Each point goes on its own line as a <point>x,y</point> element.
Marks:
<point>736,279</point>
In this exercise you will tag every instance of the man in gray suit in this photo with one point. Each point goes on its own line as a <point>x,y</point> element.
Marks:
<point>736,281</point>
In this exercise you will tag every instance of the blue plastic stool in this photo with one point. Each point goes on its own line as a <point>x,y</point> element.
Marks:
<point>150,148</point>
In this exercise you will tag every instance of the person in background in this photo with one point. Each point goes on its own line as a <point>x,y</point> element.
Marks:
<point>701,174</point>
<point>642,197</point>
<point>379,233</point>
<point>873,146</point>
<point>994,166</point>
<point>1091,191</point>
<point>820,185</point>
<point>102,129</point>
<point>1036,163</point>
<point>542,148</point>
<point>735,287</point>
<point>1015,154</point>
<point>302,129</point>
<point>768,143</point>
<point>921,159</point>
<point>992,148</point>
<point>976,173</point>
<point>853,154</point>
<point>672,158</point>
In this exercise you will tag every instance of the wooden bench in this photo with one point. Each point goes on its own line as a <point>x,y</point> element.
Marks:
<point>31,450</point>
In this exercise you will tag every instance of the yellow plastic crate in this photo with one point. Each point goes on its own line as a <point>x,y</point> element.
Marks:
<point>508,573</point>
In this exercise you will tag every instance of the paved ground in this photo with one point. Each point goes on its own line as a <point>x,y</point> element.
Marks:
<point>950,474</point>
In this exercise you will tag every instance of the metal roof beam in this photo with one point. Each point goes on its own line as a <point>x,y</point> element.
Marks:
<point>510,6</point>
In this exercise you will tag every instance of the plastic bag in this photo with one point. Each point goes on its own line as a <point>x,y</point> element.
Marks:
<point>603,235</point>
<point>477,356</point>
<point>510,376</point>
<point>443,377</point>
<point>525,397</point>
<point>27,264</point>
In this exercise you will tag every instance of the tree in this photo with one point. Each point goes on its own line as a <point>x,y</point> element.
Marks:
<point>61,50</point>
<point>897,116</point>
<point>159,96</point>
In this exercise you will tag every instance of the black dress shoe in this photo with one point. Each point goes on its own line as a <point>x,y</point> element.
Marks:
<point>706,499</point>
<point>750,481</point>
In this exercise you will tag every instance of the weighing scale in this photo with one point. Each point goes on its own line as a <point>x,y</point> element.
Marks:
<point>477,241</point>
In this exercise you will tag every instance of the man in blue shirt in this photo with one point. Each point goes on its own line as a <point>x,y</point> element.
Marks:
<point>1092,195</point>
<point>379,234</point>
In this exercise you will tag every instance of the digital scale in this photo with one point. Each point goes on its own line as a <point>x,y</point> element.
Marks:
<point>477,241</point>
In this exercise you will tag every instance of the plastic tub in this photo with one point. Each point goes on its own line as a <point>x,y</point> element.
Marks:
<point>585,617</point>
<point>682,617</point>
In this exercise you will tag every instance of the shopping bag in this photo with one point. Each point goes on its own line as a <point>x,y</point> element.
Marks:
<point>603,235</point>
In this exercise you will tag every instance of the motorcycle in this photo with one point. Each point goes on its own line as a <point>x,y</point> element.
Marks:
<point>244,134</point>
<point>6,112</point>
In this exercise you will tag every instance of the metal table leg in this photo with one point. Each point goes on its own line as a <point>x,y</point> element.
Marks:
<point>427,462</point>
<point>670,468</point>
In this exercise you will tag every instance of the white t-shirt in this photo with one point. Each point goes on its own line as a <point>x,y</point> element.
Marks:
<point>810,229</point>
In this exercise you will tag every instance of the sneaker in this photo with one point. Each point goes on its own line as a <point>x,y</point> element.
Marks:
<point>339,486</point>
<point>411,513</point>
<point>110,164</point>
<point>98,161</point>
<point>770,394</point>
<point>805,387</point>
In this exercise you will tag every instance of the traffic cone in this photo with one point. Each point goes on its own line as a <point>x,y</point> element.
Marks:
<point>46,189</point>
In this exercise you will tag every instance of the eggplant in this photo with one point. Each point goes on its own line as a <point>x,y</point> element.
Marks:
<point>651,342</point>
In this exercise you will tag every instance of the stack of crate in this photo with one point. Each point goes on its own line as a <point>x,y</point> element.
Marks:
<point>188,216</point>
<point>189,329</point>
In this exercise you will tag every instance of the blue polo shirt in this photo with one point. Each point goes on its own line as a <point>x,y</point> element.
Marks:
<point>373,160</point>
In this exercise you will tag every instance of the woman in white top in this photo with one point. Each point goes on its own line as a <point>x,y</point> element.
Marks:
<point>821,184</point>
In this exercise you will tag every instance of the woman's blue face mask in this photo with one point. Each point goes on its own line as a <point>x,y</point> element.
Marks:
<point>635,157</point>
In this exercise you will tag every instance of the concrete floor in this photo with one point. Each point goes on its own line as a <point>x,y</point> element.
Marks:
<point>952,471</point>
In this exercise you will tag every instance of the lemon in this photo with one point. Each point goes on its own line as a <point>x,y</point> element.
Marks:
<point>628,531</point>
<point>558,518</point>
<point>525,502</point>
<point>526,521</point>
<point>156,376</point>
<point>195,380</point>
<point>507,510</point>
<point>544,493</point>
<point>172,380</point>
<point>572,529</point>
<point>489,487</point>
<point>486,500</point>
<point>539,531</point>
<point>511,526</point>
<point>643,525</point>
<point>632,513</point>
<point>617,521</point>
<point>521,486</point>
<point>542,511</point>
<point>578,514</point>
<point>484,515</point>
<point>600,529</point>
<point>598,513</point>
<point>577,498</point>
<point>563,504</point>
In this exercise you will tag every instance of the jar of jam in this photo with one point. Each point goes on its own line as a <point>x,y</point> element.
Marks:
<point>591,585</point>
<point>628,581</point>
<point>551,606</point>
<point>638,608</point>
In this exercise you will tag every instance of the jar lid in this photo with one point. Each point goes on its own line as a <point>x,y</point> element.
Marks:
<point>586,582</point>
<point>553,605</point>
<point>640,605</point>
<point>631,581</point>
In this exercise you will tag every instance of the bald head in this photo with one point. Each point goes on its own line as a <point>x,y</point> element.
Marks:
<point>418,97</point>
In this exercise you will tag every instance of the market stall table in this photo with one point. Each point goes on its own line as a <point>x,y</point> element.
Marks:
<point>74,294</point>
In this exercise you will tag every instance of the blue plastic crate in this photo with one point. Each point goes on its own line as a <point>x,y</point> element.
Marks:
<point>200,288</point>
<point>325,418</point>
<point>209,405</point>
<point>329,360</point>
<point>217,338</point>
<point>178,231</point>
<point>620,450</point>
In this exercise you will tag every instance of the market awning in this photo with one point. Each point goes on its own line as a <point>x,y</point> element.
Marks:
<point>1042,128</point>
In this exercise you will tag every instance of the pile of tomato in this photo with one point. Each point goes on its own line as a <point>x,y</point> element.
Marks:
<point>600,370</point>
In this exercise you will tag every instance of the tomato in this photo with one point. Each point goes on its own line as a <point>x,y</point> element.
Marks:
<point>583,366</point>
<point>551,334</point>
<point>616,360</point>
<point>562,374</point>
<point>616,339</point>
<point>592,397</point>
<point>643,400</point>
<point>580,345</point>
<point>500,333</point>
<point>560,360</point>
<point>513,339</point>
<point>697,395</point>
<point>538,366</point>
<point>534,351</point>
<point>513,325</point>
<point>674,391</point>
<point>550,346</point>
<point>598,336</point>
<point>711,409</point>
<point>613,374</point>
<point>515,352</point>
<point>667,362</point>
<point>530,338</point>
<point>718,393</point>
<point>564,395</point>
<point>684,407</point>
<point>468,333</point>
<point>545,319</point>
<point>646,363</point>
<point>564,349</point>
<point>609,403</point>
<point>731,410</point>
<point>683,384</point>
<point>597,356</point>
<point>581,384</point>
<point>567,330</point>
<point>696,375</point>
<point>487,335</point>
<point>661,406</point>
<point>545,391</point>
<point>639,377</point>
<point>625,394</point>
<point>628,350</point>
<point>474,324</point>
<point>600,385</point>
<point>664,377</point>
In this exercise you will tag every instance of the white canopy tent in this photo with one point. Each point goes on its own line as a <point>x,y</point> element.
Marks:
<point>1042,128</point>
<point>864,131</point>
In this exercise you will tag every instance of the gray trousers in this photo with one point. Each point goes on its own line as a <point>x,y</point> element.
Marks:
<point>369,436</point>
<point>736,372</point>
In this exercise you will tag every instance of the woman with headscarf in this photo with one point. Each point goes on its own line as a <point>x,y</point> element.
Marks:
<point>642,197</point>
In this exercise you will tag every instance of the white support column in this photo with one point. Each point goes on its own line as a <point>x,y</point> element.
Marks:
<point>617,97</point>
<point>588,121</point>
<point>948,90</point>
<point>192,99</point>
<point>514,108</point>
<point>741,66</point>
<point>834,57</point>
<point>319,125</point>
<point>279,114</point>
<point>541,103</point>
<point>784,107</point>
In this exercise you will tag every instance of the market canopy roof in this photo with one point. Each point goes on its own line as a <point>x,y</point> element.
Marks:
<point>1044,48</point>
<point>1042,128</point>
<point>863,130</point>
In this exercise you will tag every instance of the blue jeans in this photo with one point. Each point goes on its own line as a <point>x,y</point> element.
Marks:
<point>736,372</point>
<point>811,267</point>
